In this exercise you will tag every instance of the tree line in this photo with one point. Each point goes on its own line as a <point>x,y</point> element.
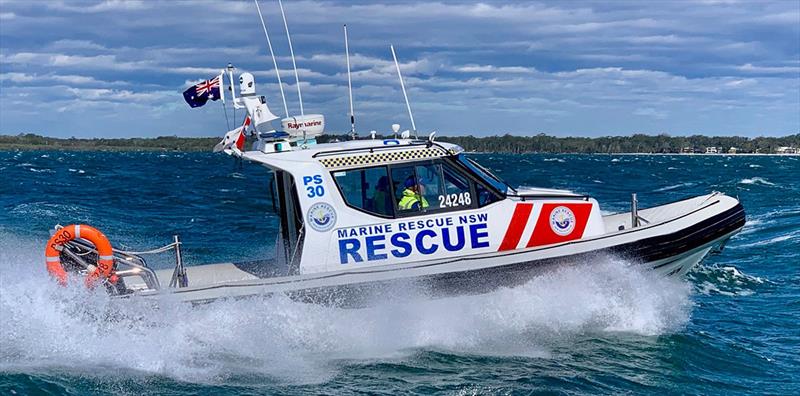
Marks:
<point>541,143</point>
<point>638,143</point>
<point>32,141</point>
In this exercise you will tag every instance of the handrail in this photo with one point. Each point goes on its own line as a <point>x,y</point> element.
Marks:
<point>139,269</point>
<point>549,196</point>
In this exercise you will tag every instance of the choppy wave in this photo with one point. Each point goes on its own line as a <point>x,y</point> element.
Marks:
<point>757,180</point>
<point>45,326</point>
<point>46,209</point>
<point>725,280</point>
<point>752,225</point>
<point>45,170</point>
<point>675,186</point>
<point>791,236</point>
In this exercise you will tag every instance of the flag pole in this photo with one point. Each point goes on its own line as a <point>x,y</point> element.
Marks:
<point>230,69</point>
<point>222,96</point>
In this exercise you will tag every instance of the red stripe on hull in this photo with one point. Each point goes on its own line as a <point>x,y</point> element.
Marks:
<point>518,222</point>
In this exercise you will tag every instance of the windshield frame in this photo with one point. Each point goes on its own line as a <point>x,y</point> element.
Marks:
<point>485,174</point>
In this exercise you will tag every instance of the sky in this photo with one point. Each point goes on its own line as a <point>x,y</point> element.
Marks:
<point>117,68</point>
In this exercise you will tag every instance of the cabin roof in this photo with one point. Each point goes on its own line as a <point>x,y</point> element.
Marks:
<point>355,153</point>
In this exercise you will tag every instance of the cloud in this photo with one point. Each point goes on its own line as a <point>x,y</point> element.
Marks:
<point>750,68</point>
<point>99,7</point>
<point>50,78</point>
<point>494,69</point>
<point>60,60</point>
<point>650,112</point>
<point>67,44</point>
<point>559,67</point>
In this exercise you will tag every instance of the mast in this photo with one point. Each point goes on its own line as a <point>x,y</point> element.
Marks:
<point>291,52</point>
<point>349,87</point>
<point>274,62</point>
<point>403,87</point>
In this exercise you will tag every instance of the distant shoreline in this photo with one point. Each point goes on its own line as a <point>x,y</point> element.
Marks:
<point>163,150</point>
<point>712,154</point>
<point>628,145</point>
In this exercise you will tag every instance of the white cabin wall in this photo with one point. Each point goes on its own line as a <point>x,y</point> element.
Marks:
<point>595,225</point>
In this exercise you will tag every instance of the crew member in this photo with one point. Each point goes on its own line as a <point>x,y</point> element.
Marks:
<point>413,198</point>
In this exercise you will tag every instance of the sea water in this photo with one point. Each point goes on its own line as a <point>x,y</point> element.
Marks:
<point>731,326</point>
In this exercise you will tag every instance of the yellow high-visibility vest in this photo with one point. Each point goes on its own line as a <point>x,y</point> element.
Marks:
<point>410,198</point>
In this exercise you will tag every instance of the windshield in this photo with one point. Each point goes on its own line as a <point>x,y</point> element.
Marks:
<point>485,174</point>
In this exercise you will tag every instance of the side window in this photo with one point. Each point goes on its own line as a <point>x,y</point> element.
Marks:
<point>430,184</point>
<point>485,196</point>
<point>432,187</point>
<point>458,192</point>
<point>366,189</point>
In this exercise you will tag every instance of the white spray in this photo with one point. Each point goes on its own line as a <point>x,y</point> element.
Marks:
<point>45,326</point>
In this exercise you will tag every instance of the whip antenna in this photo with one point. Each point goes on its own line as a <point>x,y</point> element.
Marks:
<point>349,87</point>
<point>274,62</point>
<point>403,87</point>
<point>291,52</point>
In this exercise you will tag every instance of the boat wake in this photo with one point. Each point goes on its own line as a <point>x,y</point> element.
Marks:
<point>49,328</point>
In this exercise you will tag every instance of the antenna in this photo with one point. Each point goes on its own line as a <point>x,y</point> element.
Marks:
<point>349,86</point>
<point>274,63</point>
<point>403,87</point>
<point>291,52</point>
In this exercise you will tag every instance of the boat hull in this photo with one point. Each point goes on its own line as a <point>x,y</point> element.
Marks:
<point>670,247</point>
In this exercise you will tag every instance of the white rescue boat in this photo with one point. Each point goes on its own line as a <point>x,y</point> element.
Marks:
<point>349,229</point>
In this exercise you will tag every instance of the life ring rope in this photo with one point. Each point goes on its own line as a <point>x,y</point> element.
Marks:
<point>105,253</point>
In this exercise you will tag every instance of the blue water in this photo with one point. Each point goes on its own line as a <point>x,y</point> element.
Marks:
<point>731,326</point>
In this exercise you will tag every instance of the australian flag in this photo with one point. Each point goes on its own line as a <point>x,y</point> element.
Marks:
<point>198,95</point>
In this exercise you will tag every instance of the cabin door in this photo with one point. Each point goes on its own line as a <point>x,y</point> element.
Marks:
<point>290,239</point>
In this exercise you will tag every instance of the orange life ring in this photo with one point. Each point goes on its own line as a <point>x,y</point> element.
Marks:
<point>105,259</point>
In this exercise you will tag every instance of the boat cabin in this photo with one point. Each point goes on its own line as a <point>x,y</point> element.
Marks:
<point>366,203</point>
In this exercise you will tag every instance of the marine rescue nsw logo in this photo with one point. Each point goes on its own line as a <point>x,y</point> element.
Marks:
<point>321,216</point>
<point>562,221</point>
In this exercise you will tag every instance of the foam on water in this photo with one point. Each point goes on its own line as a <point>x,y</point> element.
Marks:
<point>725,280</point>
<point>47,327</point>
<point>46,209</point>
<point>674,186</point>
<point>757,180</point>
<point>791,236</point>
